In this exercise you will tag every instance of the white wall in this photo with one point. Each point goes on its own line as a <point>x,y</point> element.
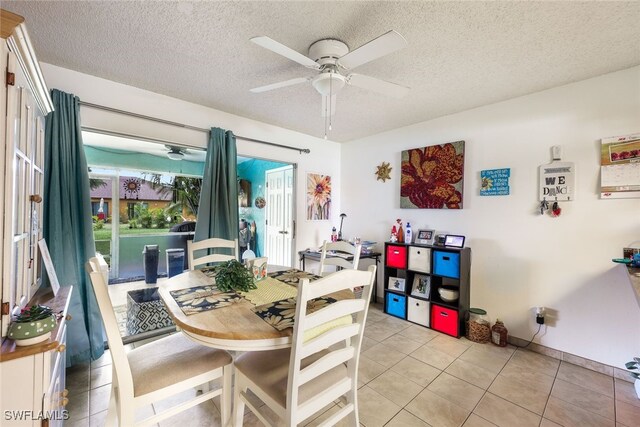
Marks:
<point>520,258</point>
<point>324,157</point>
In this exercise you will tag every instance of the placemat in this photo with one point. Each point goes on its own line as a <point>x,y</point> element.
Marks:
<point>280,315</point>
<point>203,298</point>
<point>293,276</point>
<point>269,290</point>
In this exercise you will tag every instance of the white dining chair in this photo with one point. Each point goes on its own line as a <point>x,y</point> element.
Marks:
<point>340,247</point>
<point>212,243</point>
<point>298,382</point>
<point>159,369</point>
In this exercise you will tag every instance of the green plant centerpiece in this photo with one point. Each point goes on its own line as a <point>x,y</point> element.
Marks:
<point>634,369</point>
<point>33,325</point>
<point>233,276</point>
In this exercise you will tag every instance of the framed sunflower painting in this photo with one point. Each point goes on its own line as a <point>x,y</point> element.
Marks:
<point>318,197</point>
<point>433,177</point>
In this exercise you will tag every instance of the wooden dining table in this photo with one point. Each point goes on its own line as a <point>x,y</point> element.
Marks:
<point>235,327</point>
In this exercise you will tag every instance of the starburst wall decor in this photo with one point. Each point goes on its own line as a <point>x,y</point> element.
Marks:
<point>383,172</point>
<point>132,187</point>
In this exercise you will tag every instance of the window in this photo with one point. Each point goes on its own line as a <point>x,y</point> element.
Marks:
<point>131,208</point>
<point>95,207</point>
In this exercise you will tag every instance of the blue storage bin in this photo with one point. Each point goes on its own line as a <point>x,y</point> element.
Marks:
<point>396,305</point>
<point>446,264</point>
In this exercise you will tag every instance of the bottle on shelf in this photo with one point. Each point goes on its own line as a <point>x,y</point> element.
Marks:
<point>394,235</point>
<point>407,233</point>
<point>499,334</point>
<point>334,235</point>
<point>400,234</point>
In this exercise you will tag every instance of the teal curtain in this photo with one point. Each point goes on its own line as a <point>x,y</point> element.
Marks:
<point>218,208</point>
<point>67,224</point>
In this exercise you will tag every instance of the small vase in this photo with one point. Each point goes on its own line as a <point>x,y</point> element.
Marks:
<point>637,386</point>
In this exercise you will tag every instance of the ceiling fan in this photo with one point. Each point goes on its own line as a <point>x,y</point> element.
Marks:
<point>175,153</point>
<point>334,62</point>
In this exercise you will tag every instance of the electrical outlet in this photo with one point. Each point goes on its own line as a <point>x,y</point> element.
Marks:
<point>540,315</point>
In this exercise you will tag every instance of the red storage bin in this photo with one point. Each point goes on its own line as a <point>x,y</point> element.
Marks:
<point>444,320</point>
<point>396,256</point>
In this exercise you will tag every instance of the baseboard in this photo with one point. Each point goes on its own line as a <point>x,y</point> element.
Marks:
<point>602,368</point>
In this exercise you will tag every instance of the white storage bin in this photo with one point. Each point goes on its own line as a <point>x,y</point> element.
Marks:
<point>418,311</point>
<point>420,259</point>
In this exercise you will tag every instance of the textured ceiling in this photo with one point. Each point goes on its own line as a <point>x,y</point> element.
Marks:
<point>460,54</point>
<point>137,146</point>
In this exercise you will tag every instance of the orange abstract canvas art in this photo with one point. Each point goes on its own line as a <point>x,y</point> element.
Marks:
<point>433,177</point>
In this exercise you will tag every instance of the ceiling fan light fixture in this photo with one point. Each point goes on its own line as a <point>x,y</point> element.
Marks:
<point>175,155</point>
<point>328,84</point>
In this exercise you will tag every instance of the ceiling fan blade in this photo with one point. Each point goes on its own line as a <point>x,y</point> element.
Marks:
<point>328,109</point>
<point>377,85</point>
<point>280,84</point>
<point>376,48</point>
<point>285,51</point>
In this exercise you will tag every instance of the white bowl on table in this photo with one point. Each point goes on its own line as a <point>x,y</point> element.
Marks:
<point>448,295</point>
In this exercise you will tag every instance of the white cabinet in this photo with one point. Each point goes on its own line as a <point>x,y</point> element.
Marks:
<point>25,102</point>
<point>32,377</point>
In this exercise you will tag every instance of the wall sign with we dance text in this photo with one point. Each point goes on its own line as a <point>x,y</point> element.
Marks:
<point>557,181</point>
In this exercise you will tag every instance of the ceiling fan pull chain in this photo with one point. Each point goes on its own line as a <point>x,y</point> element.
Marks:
<point>325,121</point>
<point>330,99</point>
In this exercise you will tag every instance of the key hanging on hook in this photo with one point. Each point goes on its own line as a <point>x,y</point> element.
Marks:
<point>544,205</point>
<point>555,209</point>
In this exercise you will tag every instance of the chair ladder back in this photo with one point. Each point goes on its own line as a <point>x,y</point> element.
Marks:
<point>213,243</point>
<point>324,364</point>
<point>120,362</point>
<point>334,311</point>
<point>340,246</point>
<point>329,338</point>
<point>350,335</point>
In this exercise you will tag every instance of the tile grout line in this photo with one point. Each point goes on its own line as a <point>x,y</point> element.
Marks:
<point>544,410</point>
<point>487,389</point>
<point>404,408</point>
<point>438,376</point>
<point>590,391</point>
<point>615,403</point>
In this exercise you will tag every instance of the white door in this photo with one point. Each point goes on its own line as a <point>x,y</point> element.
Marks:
<point>279,216</point>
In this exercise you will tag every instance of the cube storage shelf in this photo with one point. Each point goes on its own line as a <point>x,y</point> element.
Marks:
<point>434,267</point>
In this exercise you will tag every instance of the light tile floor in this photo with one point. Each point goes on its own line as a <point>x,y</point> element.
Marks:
<point>413,376</point>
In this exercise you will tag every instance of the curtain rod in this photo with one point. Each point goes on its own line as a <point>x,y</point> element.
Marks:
<point>181,125</point>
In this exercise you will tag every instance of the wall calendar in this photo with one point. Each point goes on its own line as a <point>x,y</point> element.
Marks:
<point>620,167</point>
